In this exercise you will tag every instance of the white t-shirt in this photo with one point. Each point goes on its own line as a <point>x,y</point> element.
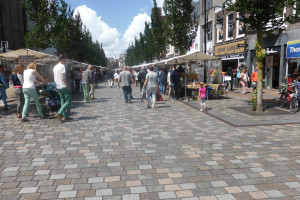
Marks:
<point>58,70</point>
<point>116,75</point>
<point>29,79</point>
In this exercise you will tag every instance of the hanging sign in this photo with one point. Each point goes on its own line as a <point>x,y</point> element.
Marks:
<point>293,49</point>
<point>27,59</point>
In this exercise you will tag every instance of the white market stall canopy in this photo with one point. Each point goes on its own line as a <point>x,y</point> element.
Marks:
<point>193,57</point>
<point>24,52</point>
<point>31,56</point>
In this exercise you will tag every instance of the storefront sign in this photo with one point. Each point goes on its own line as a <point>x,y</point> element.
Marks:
<point>27,59</point>
<point>231,48</point>
<point>293,49</point>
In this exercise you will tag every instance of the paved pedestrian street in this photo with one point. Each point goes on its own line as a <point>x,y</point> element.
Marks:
<point>113,151</point>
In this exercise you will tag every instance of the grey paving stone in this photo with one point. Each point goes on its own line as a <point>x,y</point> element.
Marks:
<point>109,143</point>
<point>67,194</point>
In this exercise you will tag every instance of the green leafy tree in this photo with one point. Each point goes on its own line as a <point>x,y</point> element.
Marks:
<point>158,31</point>
<point>149,43</point>
<point>42,15</point>
<point>256,14</point>
<point>52,25</point>
<point>181,26</point>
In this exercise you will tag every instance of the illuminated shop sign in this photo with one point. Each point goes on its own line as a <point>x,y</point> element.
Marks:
<point>293,49</point>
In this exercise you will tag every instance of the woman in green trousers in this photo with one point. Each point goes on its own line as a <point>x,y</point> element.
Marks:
<point>29,90</point>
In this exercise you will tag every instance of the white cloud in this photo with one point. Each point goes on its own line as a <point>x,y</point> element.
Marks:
<point>113,43</point>
<point>160,3</point>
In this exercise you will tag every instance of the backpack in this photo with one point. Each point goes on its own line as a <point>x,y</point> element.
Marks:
<point>15,80</point>
<point>238,74</point>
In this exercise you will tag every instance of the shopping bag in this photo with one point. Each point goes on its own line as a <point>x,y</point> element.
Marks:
<point>158,96</point>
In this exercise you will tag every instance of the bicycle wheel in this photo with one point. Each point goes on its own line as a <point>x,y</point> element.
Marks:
<point>46,111</point>
<point>283,102</point>
<point>294,105</point>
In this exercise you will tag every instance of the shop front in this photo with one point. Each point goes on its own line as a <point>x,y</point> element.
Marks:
<point>271,67</point>
<point>232,54</point>
<point>293,57</point>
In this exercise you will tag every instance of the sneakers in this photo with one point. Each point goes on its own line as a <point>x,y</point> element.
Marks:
<point>25,119</point>
<point>129,100</point>
<point>5,109</point>
<point>58,117</point>
<point>201,110</point>
<point>147,107</point>
<point>67,119</point>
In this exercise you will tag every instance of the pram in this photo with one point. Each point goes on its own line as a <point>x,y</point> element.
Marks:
<point>52,100</point>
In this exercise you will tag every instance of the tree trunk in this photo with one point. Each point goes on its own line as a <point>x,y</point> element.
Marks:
<point>260,54</point>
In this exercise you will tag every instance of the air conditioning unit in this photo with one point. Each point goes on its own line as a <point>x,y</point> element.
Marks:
<point>4,44</point>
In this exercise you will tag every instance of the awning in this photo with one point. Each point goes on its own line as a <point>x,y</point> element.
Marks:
<point>24,52</point>
<point>194,57</point>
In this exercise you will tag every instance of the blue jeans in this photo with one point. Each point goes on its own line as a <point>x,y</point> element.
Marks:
<point>173,92</point>
<point>162,87</point>
<point>3,96</point>
<point>130,92</point>
<point>126,92</point>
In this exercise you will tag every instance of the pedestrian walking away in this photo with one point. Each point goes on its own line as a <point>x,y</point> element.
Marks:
<point>17,80</point>
<point>92,85</point>
<point>87,79</point>
<point>62,86</point>
<point>29,90</point>
<point>141,78</point>
<point>201,97</point>
<point>152,87</point>
<point>110,78</point>
<point>125,81</point>
<point>116,77</point>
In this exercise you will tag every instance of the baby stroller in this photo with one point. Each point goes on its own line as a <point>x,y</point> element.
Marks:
<point>52,100</point>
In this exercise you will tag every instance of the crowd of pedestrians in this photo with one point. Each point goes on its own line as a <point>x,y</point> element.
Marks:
<point>241,78</point>
<point>151,82</point>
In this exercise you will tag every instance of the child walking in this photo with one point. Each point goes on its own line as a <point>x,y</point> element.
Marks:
<point>201,97</point>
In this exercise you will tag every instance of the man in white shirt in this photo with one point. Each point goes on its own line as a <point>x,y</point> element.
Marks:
<point>63,88</point>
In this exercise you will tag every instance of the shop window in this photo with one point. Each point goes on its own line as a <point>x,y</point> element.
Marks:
<point>240,29</point>
<point>209,31</point>
<point>220,32</point>
<point>229,27</point>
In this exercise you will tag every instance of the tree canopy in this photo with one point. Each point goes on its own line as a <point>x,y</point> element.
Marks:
<point>51,24</point>
<point>263,16</point>
<point>181,25</point>
<point>178,29</point>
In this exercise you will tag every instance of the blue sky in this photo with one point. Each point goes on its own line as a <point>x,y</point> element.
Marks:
<point>116,13</point>
<point>115,23</point>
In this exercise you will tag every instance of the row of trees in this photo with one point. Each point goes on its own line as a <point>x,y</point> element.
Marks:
<point>178,29</point>
<point>52,25</point>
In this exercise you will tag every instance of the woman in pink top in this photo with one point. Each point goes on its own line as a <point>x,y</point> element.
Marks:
<point>201,97</point>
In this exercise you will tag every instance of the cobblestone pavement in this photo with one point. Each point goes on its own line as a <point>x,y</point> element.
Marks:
<point>236,110</point>
<point>113,151</point>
